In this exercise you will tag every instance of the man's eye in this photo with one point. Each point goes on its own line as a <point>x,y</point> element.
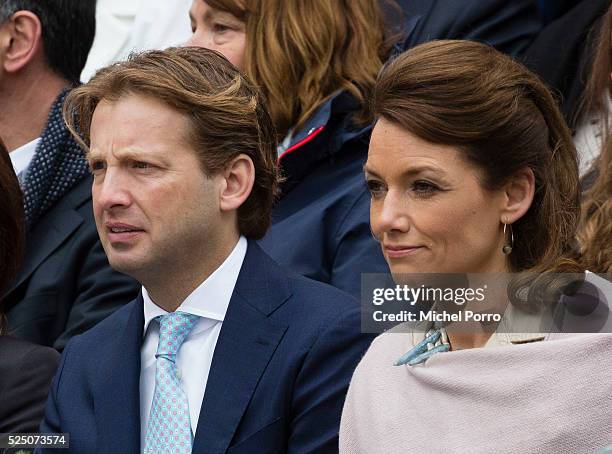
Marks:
<point>96,166</point>
<point>141,165</point>
<point>376,188</point>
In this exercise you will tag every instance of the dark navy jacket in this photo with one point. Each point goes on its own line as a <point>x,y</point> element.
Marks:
<point>280,371</point>
<point>508,25</point>
<point>562,54</point>
<point>321,224</point>
<point>66,285</point>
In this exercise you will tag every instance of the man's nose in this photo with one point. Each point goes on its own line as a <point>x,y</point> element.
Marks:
<point>112,191</point>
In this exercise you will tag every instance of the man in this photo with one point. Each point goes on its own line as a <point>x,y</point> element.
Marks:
<point>223,349</point>
<point>66,284</point>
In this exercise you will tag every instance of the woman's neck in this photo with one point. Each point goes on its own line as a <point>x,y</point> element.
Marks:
<point>462,341</point>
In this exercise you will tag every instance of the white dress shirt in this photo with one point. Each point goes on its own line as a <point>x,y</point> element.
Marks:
<point>22,156</point>
<point>209,301</point>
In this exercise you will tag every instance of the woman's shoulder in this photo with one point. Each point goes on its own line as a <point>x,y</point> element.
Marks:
<point>26,371</point>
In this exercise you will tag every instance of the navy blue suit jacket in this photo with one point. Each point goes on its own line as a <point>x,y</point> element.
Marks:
<point>283,361</point>
<point>65,285</point>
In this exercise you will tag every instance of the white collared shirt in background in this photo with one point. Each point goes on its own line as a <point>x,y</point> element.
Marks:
<point>22,157</point>
<point>124,26</point>
<point>209,301</point>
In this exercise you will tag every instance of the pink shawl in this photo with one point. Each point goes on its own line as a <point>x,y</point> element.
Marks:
<point>553,396</point>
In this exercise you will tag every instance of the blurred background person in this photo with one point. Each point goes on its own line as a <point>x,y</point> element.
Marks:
<point>595,232</point>
<point>65,284</point>
<point>26,369</point>
<point>315,63</point>
<point>509,26</point>
<point>471,169</point>
<point>124,26</point>
<point>594,141</point>
<point>572,55</point>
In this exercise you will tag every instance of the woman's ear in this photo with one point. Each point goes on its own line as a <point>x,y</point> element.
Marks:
<point>518,195</point>
<point>239,176</point>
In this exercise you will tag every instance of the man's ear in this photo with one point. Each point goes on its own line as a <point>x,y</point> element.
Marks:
<point>239,176</point>
<point>21,40</point>
<point>518,195</point>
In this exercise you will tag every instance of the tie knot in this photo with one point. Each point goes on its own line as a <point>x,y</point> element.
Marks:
<point>173,329</point>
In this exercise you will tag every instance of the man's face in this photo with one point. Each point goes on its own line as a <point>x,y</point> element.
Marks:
<point>155,209</point>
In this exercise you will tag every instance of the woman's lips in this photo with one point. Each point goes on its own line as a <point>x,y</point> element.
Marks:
<point>401,251</point>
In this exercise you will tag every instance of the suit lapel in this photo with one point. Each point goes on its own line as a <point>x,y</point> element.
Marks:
<point>117,397</point>
<point>246,343</point>
<point>51,231</point>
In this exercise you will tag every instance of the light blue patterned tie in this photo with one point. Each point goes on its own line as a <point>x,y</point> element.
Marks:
<point>169,426</point>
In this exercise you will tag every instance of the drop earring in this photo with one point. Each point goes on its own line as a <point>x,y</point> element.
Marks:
<point>507,249</point>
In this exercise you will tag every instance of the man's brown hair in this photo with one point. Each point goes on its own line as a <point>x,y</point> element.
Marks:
<point>226,114</point>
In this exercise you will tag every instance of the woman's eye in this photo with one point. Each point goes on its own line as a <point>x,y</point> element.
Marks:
<point>220,28</point>
<point>423,187</point>
<point>376,188</point>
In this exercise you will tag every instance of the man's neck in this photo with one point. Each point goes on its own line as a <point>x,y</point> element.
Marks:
<point>25,108</point>
<point>169,290</point>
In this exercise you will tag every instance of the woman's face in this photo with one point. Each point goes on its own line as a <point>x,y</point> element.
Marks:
<point>217,30</point>
<point>428,208</point>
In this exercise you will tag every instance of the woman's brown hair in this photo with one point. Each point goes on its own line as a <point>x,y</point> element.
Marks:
<point>12,225</point>
<point>595,231</point>
<point>300,52</point>
<point>503,118</point>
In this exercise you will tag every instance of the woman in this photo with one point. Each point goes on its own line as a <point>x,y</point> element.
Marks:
<point>316,63</point>
<point>471,169</point>
<point>592,117</point>
<point>26,369</point>
<point>595,231</point>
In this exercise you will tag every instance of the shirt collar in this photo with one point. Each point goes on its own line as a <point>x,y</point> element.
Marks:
<point>211,298</point>
<point>22,156</point>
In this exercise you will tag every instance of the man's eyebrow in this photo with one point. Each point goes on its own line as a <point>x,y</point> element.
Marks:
<point>91,155</point>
